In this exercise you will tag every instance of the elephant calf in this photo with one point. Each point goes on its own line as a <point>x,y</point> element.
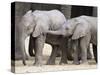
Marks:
<point>37,23</point>
<point>83,31</point>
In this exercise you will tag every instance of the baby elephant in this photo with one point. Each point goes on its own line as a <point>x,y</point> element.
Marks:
<point>82,30</point>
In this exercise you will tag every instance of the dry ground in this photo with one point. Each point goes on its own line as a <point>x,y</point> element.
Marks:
<point>20,68</point>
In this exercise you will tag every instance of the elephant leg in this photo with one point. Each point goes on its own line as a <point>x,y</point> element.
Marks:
<point>58,52</point>
<point>39,44</point>
<point>89,55</point>
<point>31,46</point>
<point>69,50</point>
<point>95,52</point>
<point>52,58</point>
<point>64,53</point>
<point>84,43</point>
<point>79,52</point>
<point>76,52</point>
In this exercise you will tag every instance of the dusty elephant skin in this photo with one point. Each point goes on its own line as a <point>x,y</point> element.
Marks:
<point>37,23</point>
<point>83,31</point>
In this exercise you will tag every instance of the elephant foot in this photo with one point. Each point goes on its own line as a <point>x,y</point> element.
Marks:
<point>37,64</point>
<point>84,63</point>
<point>24,59</point>
<point>63,62</point>
<point>50,63</point>
<point>76,62</point>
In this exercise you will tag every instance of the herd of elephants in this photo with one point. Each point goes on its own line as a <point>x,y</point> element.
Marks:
<point>53,28</point>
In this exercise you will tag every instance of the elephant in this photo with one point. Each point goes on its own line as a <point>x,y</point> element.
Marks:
<point>45,20</point>
<point>82,31</point>
<point>36,24</point>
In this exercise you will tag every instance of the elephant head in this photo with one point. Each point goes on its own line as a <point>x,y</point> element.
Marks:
<point>77,27</point>
<point>28,22</point>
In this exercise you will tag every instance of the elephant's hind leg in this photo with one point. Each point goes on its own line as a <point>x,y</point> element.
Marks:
<point>95,52</point>
<point>64,53</point>
<point>76,52</point>
<point>31,46</point>
<point>52,58</point>
<point>89,55</point>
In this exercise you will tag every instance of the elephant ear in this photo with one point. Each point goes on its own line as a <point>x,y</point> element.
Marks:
<point>40,28</point>
<point>81,29</point>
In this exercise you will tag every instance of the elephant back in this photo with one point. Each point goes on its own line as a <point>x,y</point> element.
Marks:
<point>57,19</point>
<point>47,20</point>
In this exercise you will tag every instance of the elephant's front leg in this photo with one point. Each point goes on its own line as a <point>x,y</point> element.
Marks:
<point>84,43</point>
<point>52,58</point>
<point>39,44</point>
<point>89,55</point>
<point>75,54</point>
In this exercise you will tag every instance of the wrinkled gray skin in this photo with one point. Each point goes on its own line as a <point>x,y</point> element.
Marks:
<point>82,30</point>
<point>37,23</point>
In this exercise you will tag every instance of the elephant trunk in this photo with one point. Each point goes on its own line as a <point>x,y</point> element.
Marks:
<point>21,43</point>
